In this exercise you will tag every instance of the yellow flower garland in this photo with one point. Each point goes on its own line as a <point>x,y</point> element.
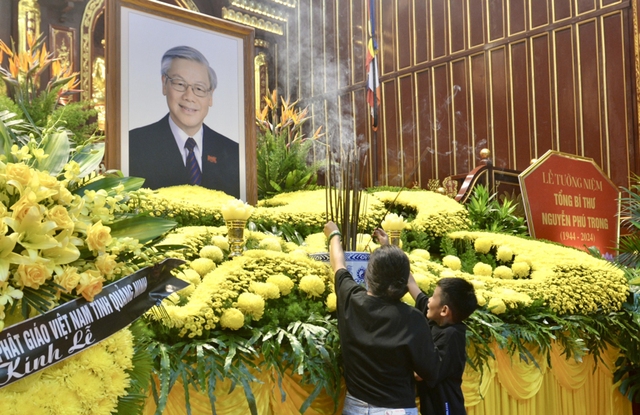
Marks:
<point>568,280</point>
<point>436,214</point>
<point>309,207</point>
<point>237,285</point>
<point>186,203</point>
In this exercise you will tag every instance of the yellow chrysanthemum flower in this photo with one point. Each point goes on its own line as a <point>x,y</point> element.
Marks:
<point>191,276</point>
<point>520,269</point>
<point>503,272</point>
<point>270,243</point>
<point>448,273</point>
<point>212,252</point>
<point>284,283</point>
<point>202,266</point>
<point>265,290</point>
<point>482,301</point>
<point>424,283</point>
<point>497,306</point>
<point>316,242</point>
<point>452,262</point>
<point>312,285</point>
<point>221,242</point>
<point>482,269</point>
<point>251,304</point>
<point>408,299</point>
<point>232,318</point>
<point>504,253</point>
<point>331,302</point>
<point>482,245</point>
<point>421,253</point>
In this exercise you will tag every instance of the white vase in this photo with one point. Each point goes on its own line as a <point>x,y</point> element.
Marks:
<point>356,263</point>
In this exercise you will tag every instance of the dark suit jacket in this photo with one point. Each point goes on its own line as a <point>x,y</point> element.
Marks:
<point>154,155</point>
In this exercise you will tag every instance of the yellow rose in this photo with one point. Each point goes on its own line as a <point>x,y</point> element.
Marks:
<point>98,237</point>
<point>18,172</point>
<point>64,196</point>
<point>106,264</point>
<point>47,180</point>
<point>90,284</point>
<point>27,206</point>
<point>60,216</point>
<point>32,275</point>
<point>68,280</point>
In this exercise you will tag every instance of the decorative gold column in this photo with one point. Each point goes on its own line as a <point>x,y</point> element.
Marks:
<point>28,22</point>
<point>261,75</point>
<point>91,12</point>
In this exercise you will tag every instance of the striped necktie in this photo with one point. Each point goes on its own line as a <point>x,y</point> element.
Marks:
<point>195,175</point>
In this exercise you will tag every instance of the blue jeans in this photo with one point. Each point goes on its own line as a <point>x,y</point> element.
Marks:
<point>354,406</point>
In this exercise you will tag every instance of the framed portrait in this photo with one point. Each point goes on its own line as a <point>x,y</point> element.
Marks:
<point>160,91</point>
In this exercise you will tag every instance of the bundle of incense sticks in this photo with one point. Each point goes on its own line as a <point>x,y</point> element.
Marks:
<point>345,200</point>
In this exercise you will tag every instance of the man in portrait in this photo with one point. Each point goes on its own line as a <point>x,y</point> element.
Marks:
<point>180,148</point>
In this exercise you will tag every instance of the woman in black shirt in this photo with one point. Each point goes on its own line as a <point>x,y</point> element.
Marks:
<point>383,340</point>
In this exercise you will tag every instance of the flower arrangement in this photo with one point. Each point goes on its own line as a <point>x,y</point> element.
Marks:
<point>48,108</point>
<point>271,295</point>
<point>558,277</point>
<point>286,289</point>
<point>531,292</point>
<point>66,230</point>
<point>283,148</point>
<point>56,241</point>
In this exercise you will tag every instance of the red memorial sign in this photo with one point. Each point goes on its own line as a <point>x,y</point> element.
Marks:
<point>569,199</point>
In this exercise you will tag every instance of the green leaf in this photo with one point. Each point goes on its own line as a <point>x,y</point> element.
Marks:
<point>89,158</point>
<point>58,148</point>
<point>142,228</point>
<point>6,141</point>
<point>108,183</point>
